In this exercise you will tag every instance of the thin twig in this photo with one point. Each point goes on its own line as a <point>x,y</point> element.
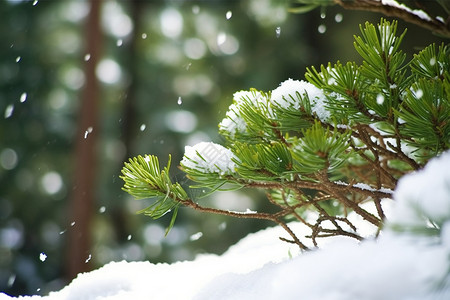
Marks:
<point>252,215</point>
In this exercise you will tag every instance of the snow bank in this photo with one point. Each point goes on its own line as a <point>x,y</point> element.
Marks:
<point>182,280</point>
<point>402,264</point>
<point>391,268</point>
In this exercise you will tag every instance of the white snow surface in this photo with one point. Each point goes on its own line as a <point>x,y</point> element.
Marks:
<point>425,195</point>
<point>208,157</point>
<point>418,12</point>
<point>286,96</point>
<point>399,265</point>
<point>234,121</point>
<point>391,268</point>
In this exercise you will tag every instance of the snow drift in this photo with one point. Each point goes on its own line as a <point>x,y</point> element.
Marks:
<point>410,260</point>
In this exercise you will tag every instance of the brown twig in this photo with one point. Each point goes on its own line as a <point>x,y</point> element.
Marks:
<point>250,215</point>
<point>333,189</point>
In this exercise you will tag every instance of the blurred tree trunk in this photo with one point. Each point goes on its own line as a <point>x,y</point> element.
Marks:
<point>129,124</point>
<point>81,206</point>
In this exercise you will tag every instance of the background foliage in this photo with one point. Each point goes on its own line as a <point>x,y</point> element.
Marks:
<point>180,81</point>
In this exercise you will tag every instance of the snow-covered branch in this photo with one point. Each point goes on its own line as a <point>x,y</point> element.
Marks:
<point>321,149</point>
<point>392,8</point>
<point>420,15</point>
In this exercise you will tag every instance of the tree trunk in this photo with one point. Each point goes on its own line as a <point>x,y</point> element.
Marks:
<point>129,125</point>
<point>82,199</point>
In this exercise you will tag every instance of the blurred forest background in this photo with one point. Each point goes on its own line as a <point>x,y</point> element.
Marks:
<point>84,85</point>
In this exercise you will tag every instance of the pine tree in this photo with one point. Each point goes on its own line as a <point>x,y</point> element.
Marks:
<point>321,148</point>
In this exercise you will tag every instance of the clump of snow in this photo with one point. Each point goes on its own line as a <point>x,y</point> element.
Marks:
<point>424,196</point>
<point>234,122</point>
<point>399,265</point>
<point>209,157</point>
<point>287,96</point>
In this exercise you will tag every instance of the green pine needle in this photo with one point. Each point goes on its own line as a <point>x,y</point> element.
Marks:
<point>144,179</point>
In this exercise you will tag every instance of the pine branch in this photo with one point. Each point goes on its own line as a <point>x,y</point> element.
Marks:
<point>323,147</point>
<point>432,24</point>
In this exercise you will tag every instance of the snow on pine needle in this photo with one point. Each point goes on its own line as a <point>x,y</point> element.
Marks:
<point>209,157</point>
<point>287,94</point>
<point>234,121</point>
